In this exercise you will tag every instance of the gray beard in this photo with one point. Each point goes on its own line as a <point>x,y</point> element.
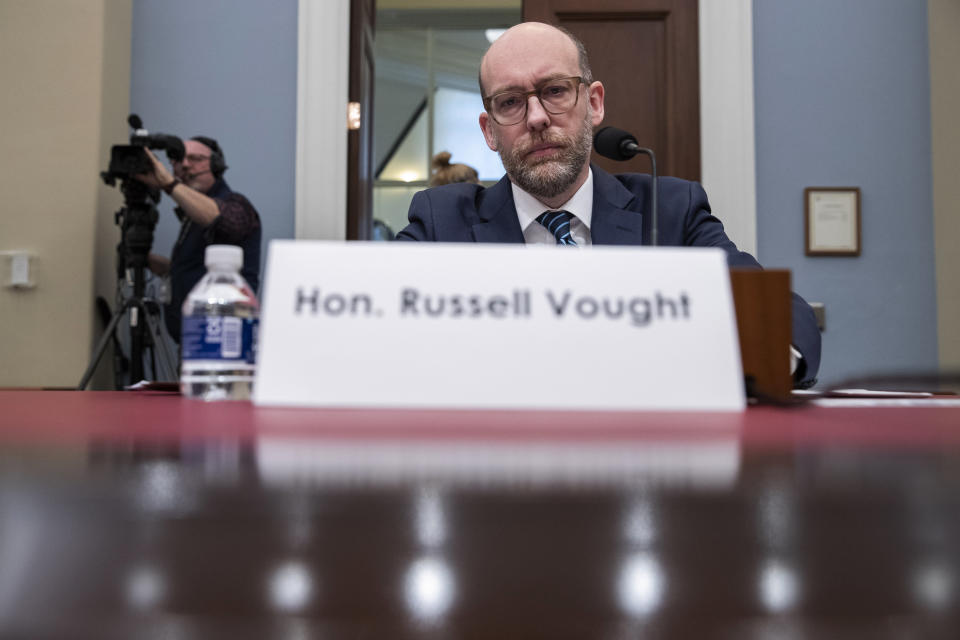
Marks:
<point>548,178</point>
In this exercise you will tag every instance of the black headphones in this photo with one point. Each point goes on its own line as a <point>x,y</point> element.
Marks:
<point>217,162</point>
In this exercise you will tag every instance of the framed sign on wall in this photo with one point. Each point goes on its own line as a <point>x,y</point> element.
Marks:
<point>832,221</point>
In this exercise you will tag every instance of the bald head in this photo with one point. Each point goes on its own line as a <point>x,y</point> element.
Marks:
<point>546,148</point>
<point>531,41</point>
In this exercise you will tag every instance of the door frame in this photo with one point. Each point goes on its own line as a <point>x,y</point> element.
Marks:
<point>323,65</point>
<point>727,138</point>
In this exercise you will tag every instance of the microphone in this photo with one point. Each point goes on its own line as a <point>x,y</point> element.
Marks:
<point>136,123</point>
<point>619,145</point>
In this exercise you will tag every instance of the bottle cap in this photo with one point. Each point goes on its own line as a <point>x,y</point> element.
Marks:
<point>225,256</point>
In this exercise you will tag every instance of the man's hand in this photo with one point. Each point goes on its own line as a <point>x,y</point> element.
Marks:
<point>199,207</point>
<point>159,178</point>
<point>158,264</point>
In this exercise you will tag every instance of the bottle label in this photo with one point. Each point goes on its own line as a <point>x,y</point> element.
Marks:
<point>224,338</point>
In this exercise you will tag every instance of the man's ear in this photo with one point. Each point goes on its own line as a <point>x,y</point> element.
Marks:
<point>486,125</point>
<point>595,94</point>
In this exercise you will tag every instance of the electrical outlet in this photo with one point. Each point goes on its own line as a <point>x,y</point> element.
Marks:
<point>20,272</point>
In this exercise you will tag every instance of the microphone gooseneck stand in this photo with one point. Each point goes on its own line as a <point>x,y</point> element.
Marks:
<point>620,145</point>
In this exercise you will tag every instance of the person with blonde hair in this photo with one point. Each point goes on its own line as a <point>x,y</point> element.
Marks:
<point>445,173</point>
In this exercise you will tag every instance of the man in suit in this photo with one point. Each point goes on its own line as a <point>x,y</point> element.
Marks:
<point>540,107</point>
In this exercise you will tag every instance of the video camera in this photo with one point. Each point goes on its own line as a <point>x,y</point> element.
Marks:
<point>138,217</point>
<point>127,160</point>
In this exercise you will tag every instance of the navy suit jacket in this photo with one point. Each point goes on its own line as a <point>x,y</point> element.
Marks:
<point>471,213</point>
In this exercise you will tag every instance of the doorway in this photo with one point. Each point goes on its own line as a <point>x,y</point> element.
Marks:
<point>427,100</point>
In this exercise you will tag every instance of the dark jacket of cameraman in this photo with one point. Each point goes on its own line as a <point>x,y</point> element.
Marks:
<point>238,224</point>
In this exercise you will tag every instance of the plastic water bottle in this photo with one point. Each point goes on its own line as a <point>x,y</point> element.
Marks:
<point>218,339</point>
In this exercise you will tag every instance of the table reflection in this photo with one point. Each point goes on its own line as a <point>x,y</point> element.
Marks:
<point>291,585</point>
<point>430,520</point>
<point>429,589</point>
<point>293,535</point>
<point>145,587</point>
<point>709,462</point>
<point>641,584</point>
<point>779,586</point>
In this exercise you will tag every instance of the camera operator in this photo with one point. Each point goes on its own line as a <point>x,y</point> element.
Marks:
<point>210,213</point>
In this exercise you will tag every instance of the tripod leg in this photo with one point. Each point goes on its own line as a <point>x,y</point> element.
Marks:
<point>173,362</point>
<point>120,363</point>
<point>159,344</point>
<point>136,341</point>
<point>101,347</point>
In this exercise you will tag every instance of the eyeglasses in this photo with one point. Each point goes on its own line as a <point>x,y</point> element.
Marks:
<point>195,159</point>
<point>556,96</point>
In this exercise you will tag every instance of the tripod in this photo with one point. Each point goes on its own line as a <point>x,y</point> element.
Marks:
<point>137,220</point>
<point>145,334</point>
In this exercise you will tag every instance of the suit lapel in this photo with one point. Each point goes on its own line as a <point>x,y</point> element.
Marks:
<point>498,215</point>
<point>612,221</point>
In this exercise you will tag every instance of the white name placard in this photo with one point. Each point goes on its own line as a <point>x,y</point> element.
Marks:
<point>497,326</point>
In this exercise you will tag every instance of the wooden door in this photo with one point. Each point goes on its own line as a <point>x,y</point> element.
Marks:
<point>646,54</point>
<point>360,140</point>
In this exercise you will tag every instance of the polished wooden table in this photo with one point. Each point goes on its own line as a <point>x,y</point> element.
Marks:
<point>146,515</point>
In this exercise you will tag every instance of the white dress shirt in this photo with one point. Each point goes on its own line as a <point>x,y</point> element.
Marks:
<point>580,205</point>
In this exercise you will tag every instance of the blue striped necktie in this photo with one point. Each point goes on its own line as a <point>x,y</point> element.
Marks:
<point>558,223</point>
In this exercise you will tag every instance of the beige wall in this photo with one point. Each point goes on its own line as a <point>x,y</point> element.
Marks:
<point>65,69</point>
<point>944,20</point>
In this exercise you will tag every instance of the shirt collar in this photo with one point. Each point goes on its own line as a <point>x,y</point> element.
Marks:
<point>580,204</point>
<point>218,189</point>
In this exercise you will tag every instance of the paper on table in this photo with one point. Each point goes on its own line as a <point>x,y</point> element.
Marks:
<point>861,393</point>
<point>886,401</point>
<point>873,393</point>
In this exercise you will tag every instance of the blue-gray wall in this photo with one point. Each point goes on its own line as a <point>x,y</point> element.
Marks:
<point>227,69</point>
<point>843,99</point>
